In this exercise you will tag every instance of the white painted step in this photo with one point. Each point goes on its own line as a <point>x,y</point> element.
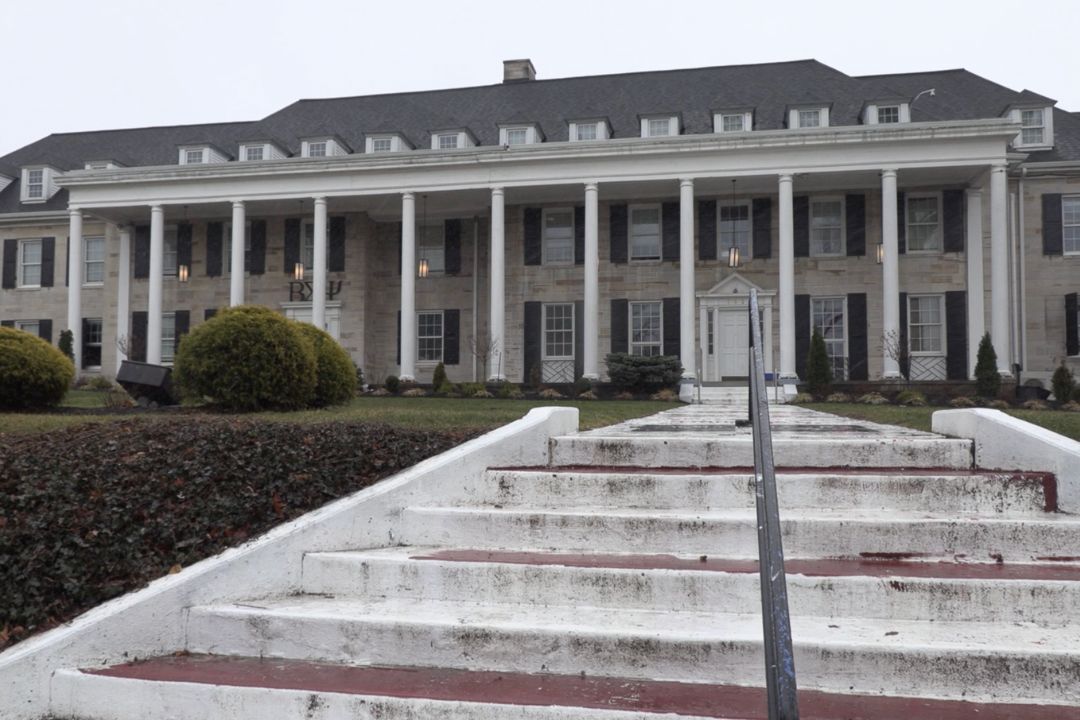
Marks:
<point>671,449</point>
<point>732,532</point>
<point>986,493</point>
<point>1015,662</point>
<point>420,574</point>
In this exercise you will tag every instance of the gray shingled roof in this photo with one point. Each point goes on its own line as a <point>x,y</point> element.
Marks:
<point>693,94</point>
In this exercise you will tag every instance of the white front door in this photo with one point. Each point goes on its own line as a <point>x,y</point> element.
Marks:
<point>301,312</point>
<point>732,343</point>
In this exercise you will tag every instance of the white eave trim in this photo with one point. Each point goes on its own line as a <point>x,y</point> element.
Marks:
<point>41,216</point>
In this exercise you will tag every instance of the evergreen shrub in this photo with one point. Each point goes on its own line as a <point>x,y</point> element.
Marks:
<point>33,374</point>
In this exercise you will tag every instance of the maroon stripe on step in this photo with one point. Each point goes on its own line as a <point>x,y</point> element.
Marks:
<point>580,691</point>
<point>1015,475</point>
<point>877,566</point>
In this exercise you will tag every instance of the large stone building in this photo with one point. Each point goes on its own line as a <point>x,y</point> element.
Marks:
<point>530,227</point>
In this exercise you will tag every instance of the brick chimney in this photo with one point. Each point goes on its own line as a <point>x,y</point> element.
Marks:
<point>518,70</point>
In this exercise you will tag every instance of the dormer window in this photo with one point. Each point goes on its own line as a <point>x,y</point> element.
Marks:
<point>321,147</point>
<point>254,152</point>
<point>659,126</point>
<point>886,113</point>
<point>382,144</point>
<point>386,143</point>
<point>726,122</point>
<point>194,157</point>
<point>35,184</point>
<point>448,141</point>
<point>586,130</point>
<point>100,165</point>
<point>201,155</point>
<point>519,135</point>
<point>258,151</point>
<point>317,149</point>
<point>808,117</point>
<point>452,140</point>
<point>1036,127</point>
<point>38,184</point>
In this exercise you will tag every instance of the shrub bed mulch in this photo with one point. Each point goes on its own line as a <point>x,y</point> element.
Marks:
<point>94,511</point>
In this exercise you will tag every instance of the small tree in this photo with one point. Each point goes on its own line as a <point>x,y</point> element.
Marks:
<point>987,377</point>
<point>439,381</point>
<point>1063,383</point>
<point>67,344</point>
<point>482,349</point>
<point>896,349</point>
<point>818,367</point>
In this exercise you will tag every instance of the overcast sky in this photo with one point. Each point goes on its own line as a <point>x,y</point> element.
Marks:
<point>97,64</point>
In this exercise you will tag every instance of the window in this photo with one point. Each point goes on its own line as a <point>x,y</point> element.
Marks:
<point>645,233</point>
<point>658,127</point>
<point>827,317</point>
<point>317,149</point>
<point>925,324</point>
<point>228,247</point>
<point>1070,211</point>
<point>431,246</point>
<point>517,136</point>
<point>558,243</point>
<point>382,144</point>
<point>31,326</point>
<point>448,141</point>
<point>169,255</point>
<point>93,260</point>
<point>91,342</point>
<point>1031,127</point>
<point>887,114</point>
<point>35,184</point>
<point>168,337</point>
<point>429,337</point>
<point>646,328</point>
<point>559,331</point>
<point>922,223</point>
<point>586,131</point>
<point>735,229</point>
<point>826,227</point>
<point>254,152</point>
<point>732,122</point>
<point>809,118</point>
<point>30,263</point>
<point>193,157</point>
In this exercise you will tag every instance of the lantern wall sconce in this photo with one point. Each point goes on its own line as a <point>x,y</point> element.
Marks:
<point>733,256</point>
<point>182,273</point>
<point>298,271</point>
<point>880,253</point>
<point>422,271</point>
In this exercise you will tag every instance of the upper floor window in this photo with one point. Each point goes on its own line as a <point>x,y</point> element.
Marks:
<point>194,157</point>
<point>585,131</point>
<point>645,232</point>
<point>448,141</point>
<point>659,127</point>
<point>307,247</point>
<point>317,149</point>
<point>887,114</point>
<point>93,260</point>
<point>827,227</point>
<point>732,122</point>
<point>431,246</point>
<point>227,249</point>
<point>254,152</point>
<point>29,263</point>
<point>38,184</point>
<point>35,184</point>
<point>646,328</point>
<point>382,144</point>
<point>558,241</point>
<point>517,136</point>
<point>169,261</point>
<point>1032,126</point>
<point>923,223</point>
<point>735,228</point>
<point>809,118</point>
<point>1070,211</point>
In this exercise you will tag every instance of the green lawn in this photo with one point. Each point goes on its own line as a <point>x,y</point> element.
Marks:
<point>421,413</point>
<point>1064,423</point>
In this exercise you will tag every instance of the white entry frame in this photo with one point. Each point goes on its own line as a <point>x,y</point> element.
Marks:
<point>730,295</point>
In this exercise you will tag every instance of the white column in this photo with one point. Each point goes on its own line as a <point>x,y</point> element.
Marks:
<point>787,279</point>
<point>123,294</point>
<point>497,323</point>
<point>591,327</point>
<point>766,332</point>
<point>687,296</point>
<point>157,264</point>
<point>890,273</point>
<point>703,333</point>
<point>318,273</point>
<point>408,287</point>
<point>236,276</point>
<point>716,376</point>
<point>999,268</point>
<point>976,313</point>
<point>75,278</point>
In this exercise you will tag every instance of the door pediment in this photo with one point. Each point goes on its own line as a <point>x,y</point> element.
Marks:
<point>735,284</point>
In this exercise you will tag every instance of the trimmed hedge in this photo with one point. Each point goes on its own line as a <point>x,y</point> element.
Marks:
<point>33,374</point>
<point>247,358</point>
<point>335,373</point>
<point>645,373</point>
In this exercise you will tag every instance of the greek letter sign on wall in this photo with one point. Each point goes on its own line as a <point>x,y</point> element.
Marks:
<point>302,291</point>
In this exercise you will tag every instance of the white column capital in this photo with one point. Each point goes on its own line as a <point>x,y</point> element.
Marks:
<point>238,203</point>
<point>686,182</point>
<point>999,167</point>
<point>787,176</point>
<point>592,186</point>
<point>497,190</point>
<point>319,199</point>
<point>73,211</point>
<point>888,172</point>
<point>157,209</point>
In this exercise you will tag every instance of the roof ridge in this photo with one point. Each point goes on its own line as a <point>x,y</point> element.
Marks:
<point>151,127</point>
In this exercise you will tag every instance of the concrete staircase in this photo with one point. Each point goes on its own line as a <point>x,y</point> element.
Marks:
<point>620,583</point>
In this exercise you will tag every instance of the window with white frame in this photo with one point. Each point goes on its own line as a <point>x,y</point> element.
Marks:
<point>735,228</point>
<point>31,326</point>
<point>645,232</point>
<point>809,118</point>
<point>168,337</point>
<point>558,331</point>
<point>517,136</point>
<point>558,238</point>
<point>194,157</point>
<point>382,144</point>
<point>1032,126</point>
<point>888,114</point>
<point>826,227</point>
<point>93,260</point>
<point>646,328</point>
<point>431,246</point>
<point>923,223</point>
<point>169,261</point>
<point>448,141</point>
<point>1070,217</point>
<point>91,342</point>
<point>227,259</point>
<point>29,263</point>
<point>585,131</point>
<point>658,127</point>
<point>35,184</point>
<point>429,337</point>
<point>316,148</point>
<point>254,152</point>
<point>828,318</point>
<point>926,334</point>
<point>733,122</point>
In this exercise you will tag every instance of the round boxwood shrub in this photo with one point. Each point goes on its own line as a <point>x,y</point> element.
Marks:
<point>247,358</point>
<point>335,373</point>
<point>33,374</point>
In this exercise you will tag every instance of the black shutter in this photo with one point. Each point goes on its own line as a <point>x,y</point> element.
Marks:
<point>669,231</point>
<point>209,313</point>
<point>901,223</point>
<point>256,262</point>
<point>762,224</point>
<point>183,324</point>
<point>48,261</point>
<point>801,211</point>
<point>142,251</point>
<point>400,234</point>
<point>1051,224</point>
<point>292,244</point>
<point>214,248</point>
<point>45,330</point>
<point>952,210</point>
<point>671,327</point>
<point>618,233</point>
<point>858,354</point>
<point>183,245</point>
<point>1072,332</point>
<point>855,224</point>
<point>336,241</point>
<point>451,337</point>
<point>802,334</point>
<point>579,235</point>
<point>11,257</point>
<point>903,321</point>
<point>706,221</point>
<point>533,220</point>
<point>137,341</point>
<point>397,359</point>
<point>620,326</point>
<point>7,323</point>
<point>534,336</point>
<point>579,339</point>
<point>956,358</point>
<point>452,246</point>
